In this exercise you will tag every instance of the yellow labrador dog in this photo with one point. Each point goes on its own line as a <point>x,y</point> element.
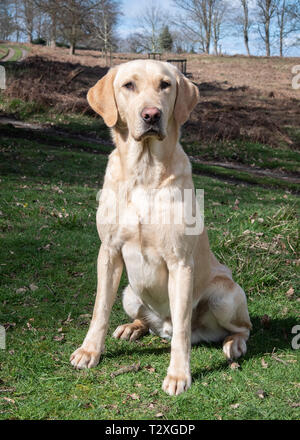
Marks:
<point>177,288</point>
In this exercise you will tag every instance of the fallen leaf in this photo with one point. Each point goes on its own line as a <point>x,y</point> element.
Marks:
<point>265,321</point>
<point>7,399</point>
<point>59,338</point>
<point>33,287</point>
<point>21,290</point>
<point>290,292</point>
<point>234,365</point>
<point>261,394</point>
<point>134,396</point>
<point>150,368</point>
<point>235,405</point>
<point>159,415</point>
<point>264,364</point>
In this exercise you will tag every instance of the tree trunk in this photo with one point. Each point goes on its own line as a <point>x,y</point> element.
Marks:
<point>267,34</point>
<point>246,41</point>
<point>53,31</point>
<point>72,48</point>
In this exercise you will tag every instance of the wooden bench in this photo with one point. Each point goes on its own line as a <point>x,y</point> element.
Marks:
<point>154,55</point>
<point>180,64</point>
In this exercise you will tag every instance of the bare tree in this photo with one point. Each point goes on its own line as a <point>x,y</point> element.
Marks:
<point>202,21</point>
<point>287,20</point>
<point>28,12</point>
<point>7,26</point>
<point>73,20</point>
<point>150,24</point>
<point>266,10</point>
<point>246,23</point>
<point>103,24</point>
<point>218,21</point>
<point>51,8</point>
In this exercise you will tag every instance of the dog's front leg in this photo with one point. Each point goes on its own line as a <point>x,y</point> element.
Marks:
<point>180,289</point>
<point>109,269</point>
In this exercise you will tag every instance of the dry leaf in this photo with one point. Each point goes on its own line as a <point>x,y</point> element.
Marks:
<point>59,338</point>
<point>265,321</point>
<point>21,290</point>
<point>134,396</point>
<point>33,287</point>
<point>235,405</point>
<point>290,292</point>
<point>264,364</point>
<point>261,394</point>
<point>150,368</point>
<point>159,415</point>
<point>7,399</point>
<point>234,365</point>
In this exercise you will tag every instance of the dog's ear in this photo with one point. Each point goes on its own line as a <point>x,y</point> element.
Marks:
<point>186,100</point>
<point>101,98</point>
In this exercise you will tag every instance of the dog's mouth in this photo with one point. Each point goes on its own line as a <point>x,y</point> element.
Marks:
<point>154,132</point>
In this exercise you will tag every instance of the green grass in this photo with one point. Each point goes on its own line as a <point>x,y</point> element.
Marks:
<point>49,239</point>
<point>249,153</point>
<point>244,176</point>
<point>18,51</point>
<point>3,51</point>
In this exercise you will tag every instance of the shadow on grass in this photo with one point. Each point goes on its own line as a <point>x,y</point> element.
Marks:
<point>262,342</point>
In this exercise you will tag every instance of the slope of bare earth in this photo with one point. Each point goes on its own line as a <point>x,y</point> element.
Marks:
<point>241,97</point>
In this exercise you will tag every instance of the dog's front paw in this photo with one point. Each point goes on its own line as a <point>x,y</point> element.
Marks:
<point>175,384</point>
<point>82,358</point>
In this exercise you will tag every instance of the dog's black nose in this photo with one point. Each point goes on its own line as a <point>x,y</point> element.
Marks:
<point>151,115</point>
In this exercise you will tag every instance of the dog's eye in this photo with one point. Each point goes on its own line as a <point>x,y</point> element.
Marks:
<point>129,85</point>
<point>164,85</point>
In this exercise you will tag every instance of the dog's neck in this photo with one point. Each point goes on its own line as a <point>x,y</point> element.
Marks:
<point>149,161</point>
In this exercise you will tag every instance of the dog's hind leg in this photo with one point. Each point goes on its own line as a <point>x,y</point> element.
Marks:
<point>136,311</point>
<point>229,306</point>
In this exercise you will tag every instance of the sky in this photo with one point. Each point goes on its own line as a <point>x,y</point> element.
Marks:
<point>133,9</point>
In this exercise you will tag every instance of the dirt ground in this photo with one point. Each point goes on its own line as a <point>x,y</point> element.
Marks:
<point>241,98</point>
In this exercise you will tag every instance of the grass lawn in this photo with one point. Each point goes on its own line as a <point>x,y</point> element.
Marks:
<point>49,247</point>
<point>17,54</point>
<point>3,51</point>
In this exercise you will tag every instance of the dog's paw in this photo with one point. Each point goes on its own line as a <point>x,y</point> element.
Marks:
<point>234,346</point>
<point>176,384</point>
<point>82,358</point>
<point>130,332</point>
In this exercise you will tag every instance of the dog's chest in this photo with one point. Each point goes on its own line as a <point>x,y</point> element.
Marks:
<point>147,275</point>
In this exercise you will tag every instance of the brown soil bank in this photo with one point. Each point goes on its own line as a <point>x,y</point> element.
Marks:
<point>241,97</point>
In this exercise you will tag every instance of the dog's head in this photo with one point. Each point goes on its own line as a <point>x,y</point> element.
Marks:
<point>144,96</point>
